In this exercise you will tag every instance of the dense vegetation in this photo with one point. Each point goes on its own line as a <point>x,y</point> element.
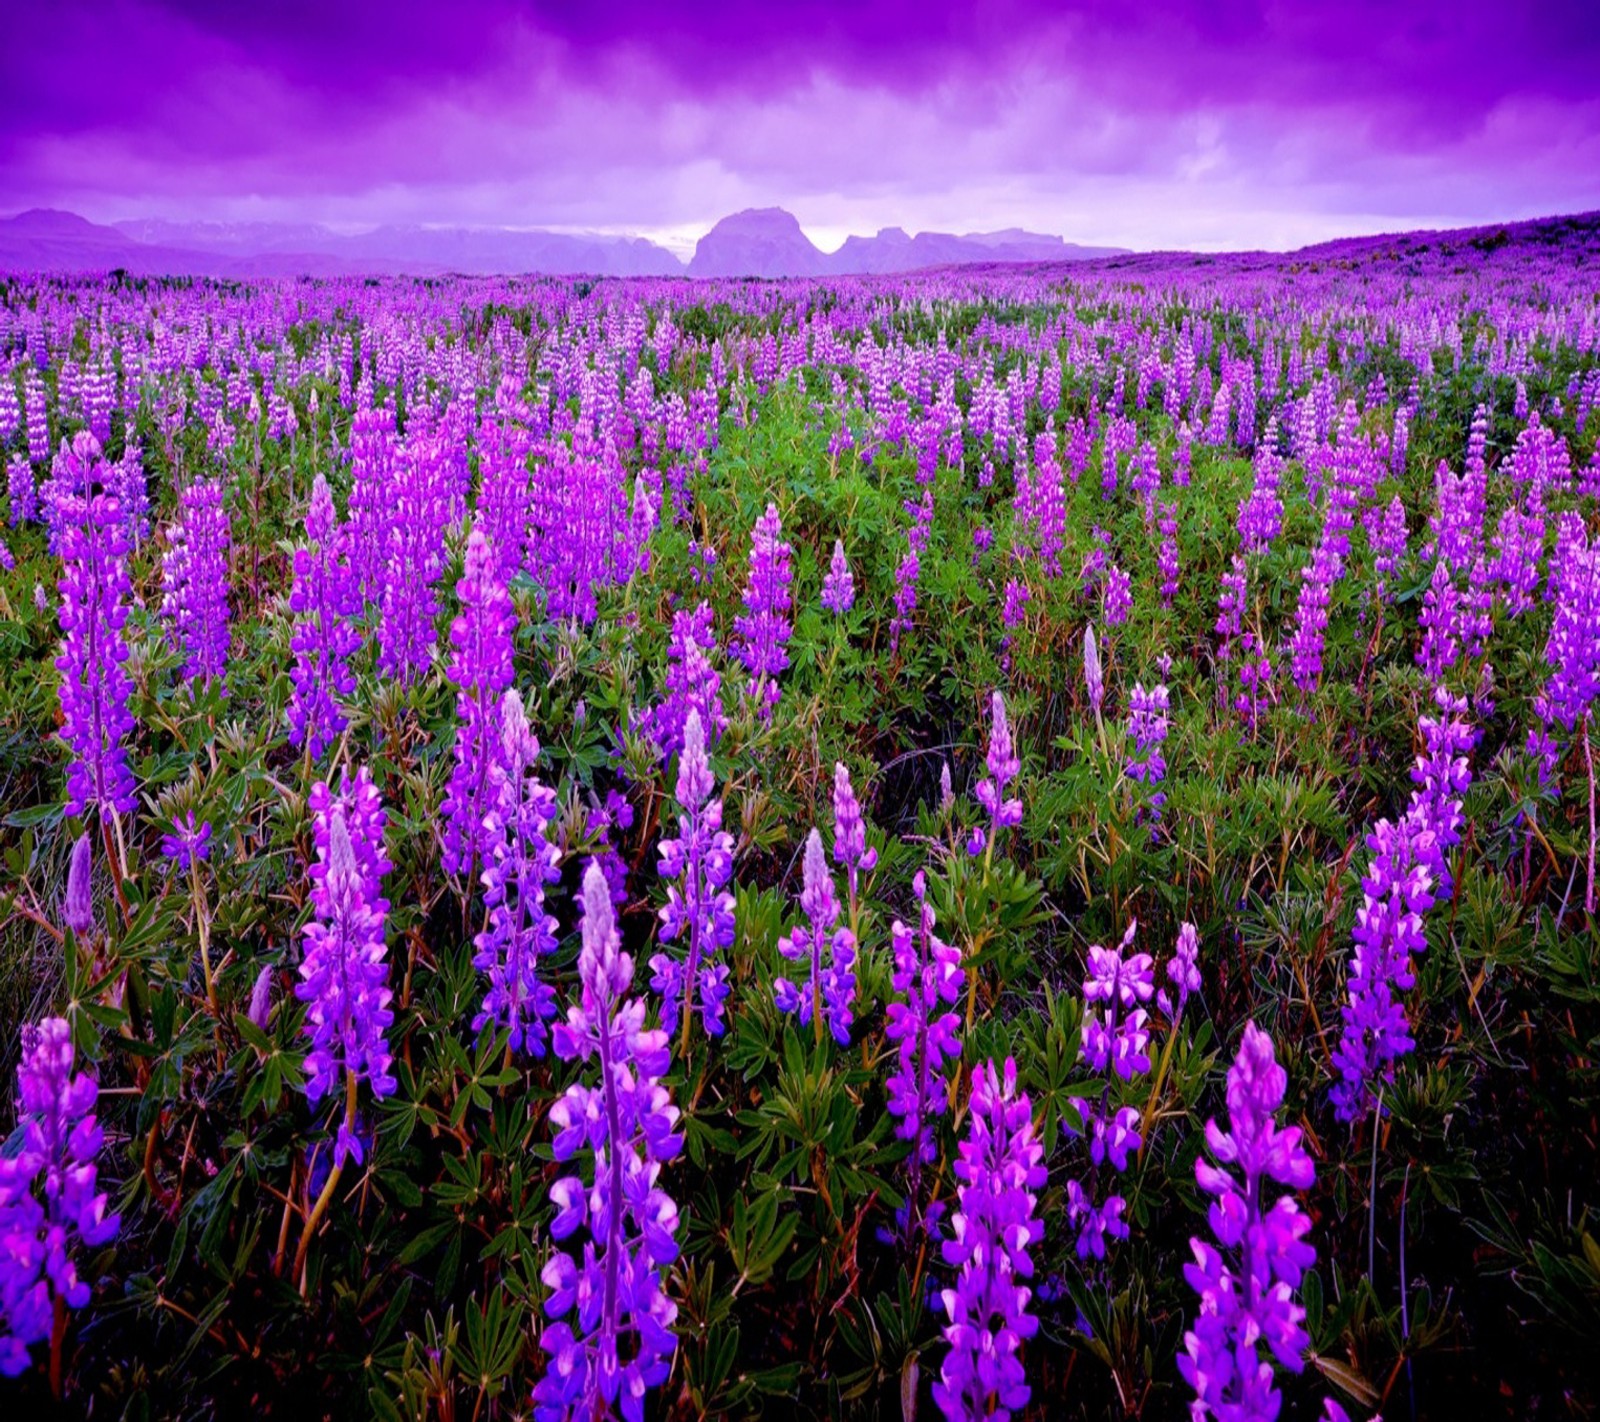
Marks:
<point>1243,615</point>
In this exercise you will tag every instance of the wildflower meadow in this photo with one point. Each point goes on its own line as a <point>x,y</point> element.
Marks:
<point>1013,841</point>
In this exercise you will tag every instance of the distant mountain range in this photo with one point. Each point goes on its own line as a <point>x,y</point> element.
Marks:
<point>768,242</point>
<point>764,242</point>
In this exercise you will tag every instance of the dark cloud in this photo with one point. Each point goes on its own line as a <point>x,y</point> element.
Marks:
<point>636,114</point>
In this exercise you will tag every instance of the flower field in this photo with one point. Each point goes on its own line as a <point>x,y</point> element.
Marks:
<point>1002,842</point>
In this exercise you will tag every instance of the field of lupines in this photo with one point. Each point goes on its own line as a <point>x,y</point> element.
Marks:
<point>1012,843</point>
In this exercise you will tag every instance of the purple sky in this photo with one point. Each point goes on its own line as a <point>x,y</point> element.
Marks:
<point>1219,123</point>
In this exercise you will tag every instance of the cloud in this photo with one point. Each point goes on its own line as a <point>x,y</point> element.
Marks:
<point>1151,127</point>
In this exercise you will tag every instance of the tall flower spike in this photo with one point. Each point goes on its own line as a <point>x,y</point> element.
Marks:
<point>345,970</point>
<point>699,907</point>
<point>827,950</point>
<point>763,631</point>
<point>325,604</point>
<point>1252,1302</point>
<point>77,903</point>
<point>1115,1044</point>
<point>522,863</point>
<point>1000,1172</point>
<point>195,581</point>
<point>48,1202</point>
<point>1093,676</point>
<point>839,586</point>
<point>95,593</point>
<point>481,669</point>
<point>927,979</point>
<point>1003,765</point>
<point>612,1339</point>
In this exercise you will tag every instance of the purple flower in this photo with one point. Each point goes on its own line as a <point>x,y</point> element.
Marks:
<point>77,903</point>
<point>994,1226</point>
<point>261,999</point>
<point>1115,1043</point>
<point>700,860</point>
<point>827,949</point>
<point>1003,765</point>
<point>95,592</point>
<point>1118,597</point>
<point>481,669</point>
<point>760,645</point>
<point>1251,1302</point>
<point>48,1202</point>
<point>1183,968</point>
<point>188,842</point>
<point>927,978</point>
<point>325,603</point>
<point>1147,728</point>
<point>345,970</point>
<point>838,587</point>
<point>523,860</point>
<point>22,491</point>
<point>1093,675</point>
<point>613,1339</point>
<point>1407,873</point>
<point>693,683</point>
<point>194,576</point>
<point>418,511</point>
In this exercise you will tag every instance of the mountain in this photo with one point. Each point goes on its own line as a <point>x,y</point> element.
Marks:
<point>893,251</point>
<point>758,242</point>
<point>477,251</point>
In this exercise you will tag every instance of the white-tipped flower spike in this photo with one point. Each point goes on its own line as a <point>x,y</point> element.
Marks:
<point>521,745</point>
<point>1093,675</point>
<point>947,794</point>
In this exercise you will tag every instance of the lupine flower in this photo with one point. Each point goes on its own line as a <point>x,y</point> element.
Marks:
<point>325,603</point>
<point>1439,621</point>
<point>1183,970</point>
<point>1147,728</point>
<point>481,670</point>
<point>187,841</point>
<point>345,969</point>
<point>1407,873</point>
<point>412,561</point>
<point>1167,557</point>
<point>21,490</point>
<point>613,1339</point>
<point>1000,1171</point>
<point>1014,608</point>
<point>1231,602</point>
<point>1003,765</point>
<point>927,979</point>
<point>48,1204</point>
<point>95,590</point>
<point>77,903</point>
<point>763,631</point>
<point>692,682</point>
<point>700,860</point>
<point>1572,650</point>
<point>194,575</point>
<point>260,1007</point>
<point>826,947</point>
<point>838,587</point>
<point>1251,1302</point>
<point>519,931</point>
<point>1093,676</point>
<point>1118,597</point>
<point>906,574</point>
<point>1115,1043</point>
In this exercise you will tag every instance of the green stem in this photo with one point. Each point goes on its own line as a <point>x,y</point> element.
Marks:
<point>319,1209</point>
